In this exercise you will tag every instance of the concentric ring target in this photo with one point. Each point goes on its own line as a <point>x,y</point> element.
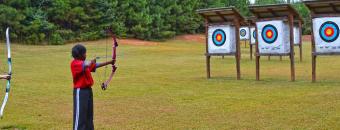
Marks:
<point>254,34</point>
<point>243,32</point>
<point>219,37</point>
<point>329,31</point>
<point>269,34</point>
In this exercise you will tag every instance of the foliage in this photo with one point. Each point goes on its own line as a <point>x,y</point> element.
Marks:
<point>60,21</point>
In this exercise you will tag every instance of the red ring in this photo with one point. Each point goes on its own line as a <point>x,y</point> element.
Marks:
<point>329,28</point>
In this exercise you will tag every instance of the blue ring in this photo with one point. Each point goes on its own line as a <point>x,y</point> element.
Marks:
<point>254,34</point>
<point>323,28</point>
<point>215,33</point>
<point>264,36</point>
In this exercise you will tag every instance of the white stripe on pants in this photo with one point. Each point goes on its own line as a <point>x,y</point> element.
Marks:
<point>77,109</point>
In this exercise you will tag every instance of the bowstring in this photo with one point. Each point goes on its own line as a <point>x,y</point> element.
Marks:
<point>99,57</point>
<point>3,62</point>
<point>106,50</point>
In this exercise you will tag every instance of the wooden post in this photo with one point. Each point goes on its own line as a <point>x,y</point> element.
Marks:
<point>313,54</point>
<point>206,47</point>
<point>292,63</point>
<point>251,52</point>
<point>238,50</point>
<point>239,43</point>
<point>245,43</point>
<point>257,55</point>
<point>280,58</point>
<point>208,67</point>
<point>269,58</point>
<point>300,44</point>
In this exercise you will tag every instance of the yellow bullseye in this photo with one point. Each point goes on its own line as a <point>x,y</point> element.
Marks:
<point>329,32</point>
<point>219,37</point>
<point>269,34</point>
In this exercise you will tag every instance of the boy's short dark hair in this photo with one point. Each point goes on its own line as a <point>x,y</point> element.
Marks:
<point>78,51</point>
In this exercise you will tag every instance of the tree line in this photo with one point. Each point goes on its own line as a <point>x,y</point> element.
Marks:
<point>56,22</point>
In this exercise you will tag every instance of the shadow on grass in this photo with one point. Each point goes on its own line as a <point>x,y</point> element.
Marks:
<point>12,127</point>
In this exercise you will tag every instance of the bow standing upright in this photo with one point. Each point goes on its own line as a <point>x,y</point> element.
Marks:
<point>9,62</point>
<point>114,68</point>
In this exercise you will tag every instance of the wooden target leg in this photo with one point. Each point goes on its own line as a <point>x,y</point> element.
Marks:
<point>280,58</point>
<point>300,52</point>
<point>251,52</point>
<point>245,43</point>
<point>292,67</point>
<point>269,58</point>
<point>258,68</point>
<point>208,67</point>
<point>238,57</point>
<point>313,68</point>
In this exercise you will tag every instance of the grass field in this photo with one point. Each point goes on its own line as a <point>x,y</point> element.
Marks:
<point>165,87</point>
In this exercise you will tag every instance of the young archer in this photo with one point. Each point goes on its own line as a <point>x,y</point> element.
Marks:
<point>82,83</point>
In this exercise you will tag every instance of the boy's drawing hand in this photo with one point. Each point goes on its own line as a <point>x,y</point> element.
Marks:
<point>94,60</point>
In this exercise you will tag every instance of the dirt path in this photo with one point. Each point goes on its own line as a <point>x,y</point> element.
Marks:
<point>199,38</point>
<point>137,42</point>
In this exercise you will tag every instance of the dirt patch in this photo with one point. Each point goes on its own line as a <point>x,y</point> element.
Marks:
<point>200,38</point>
<point>137,42</point>
<point>306,38</point>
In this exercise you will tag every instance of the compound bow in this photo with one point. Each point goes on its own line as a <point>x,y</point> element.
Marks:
<point>9,62</point>
<point>114,68</point>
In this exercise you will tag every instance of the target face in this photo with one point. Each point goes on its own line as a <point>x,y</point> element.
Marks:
<point>269,34</point>
<point>329,31</point>
<point>254,34</point>
<point>219,37</point>
<point>243,32</point>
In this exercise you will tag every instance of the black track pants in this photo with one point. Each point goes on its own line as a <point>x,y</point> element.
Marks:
<point>83,109</point>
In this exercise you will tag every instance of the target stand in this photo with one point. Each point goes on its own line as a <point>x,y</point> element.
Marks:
<point>252,23</point>
<point>222,34</point>
<point>275,34</point>
<point>298,35</point>
<point>325,16</point>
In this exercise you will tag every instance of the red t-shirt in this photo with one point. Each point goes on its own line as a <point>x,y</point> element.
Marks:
<point>82,77</point>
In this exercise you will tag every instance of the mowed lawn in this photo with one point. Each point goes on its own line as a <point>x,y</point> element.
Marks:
<point>164,86</point>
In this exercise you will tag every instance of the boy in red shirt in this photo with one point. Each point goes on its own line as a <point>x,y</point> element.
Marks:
<point>82,83</point>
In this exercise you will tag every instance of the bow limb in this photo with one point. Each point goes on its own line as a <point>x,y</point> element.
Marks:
<point>104,85</point>
<point>9,61</point>
<point>114,55</point>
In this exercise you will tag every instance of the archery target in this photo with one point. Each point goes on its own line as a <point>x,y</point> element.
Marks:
<point>326,34</point>
<point>244,33</point>
<point>273,37</point>
<point>297,35</point>
<point>221,39</point>
<point>329,31</point>
<point>218,37</point>
<point>269,34</point>
<point>253,36</point>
